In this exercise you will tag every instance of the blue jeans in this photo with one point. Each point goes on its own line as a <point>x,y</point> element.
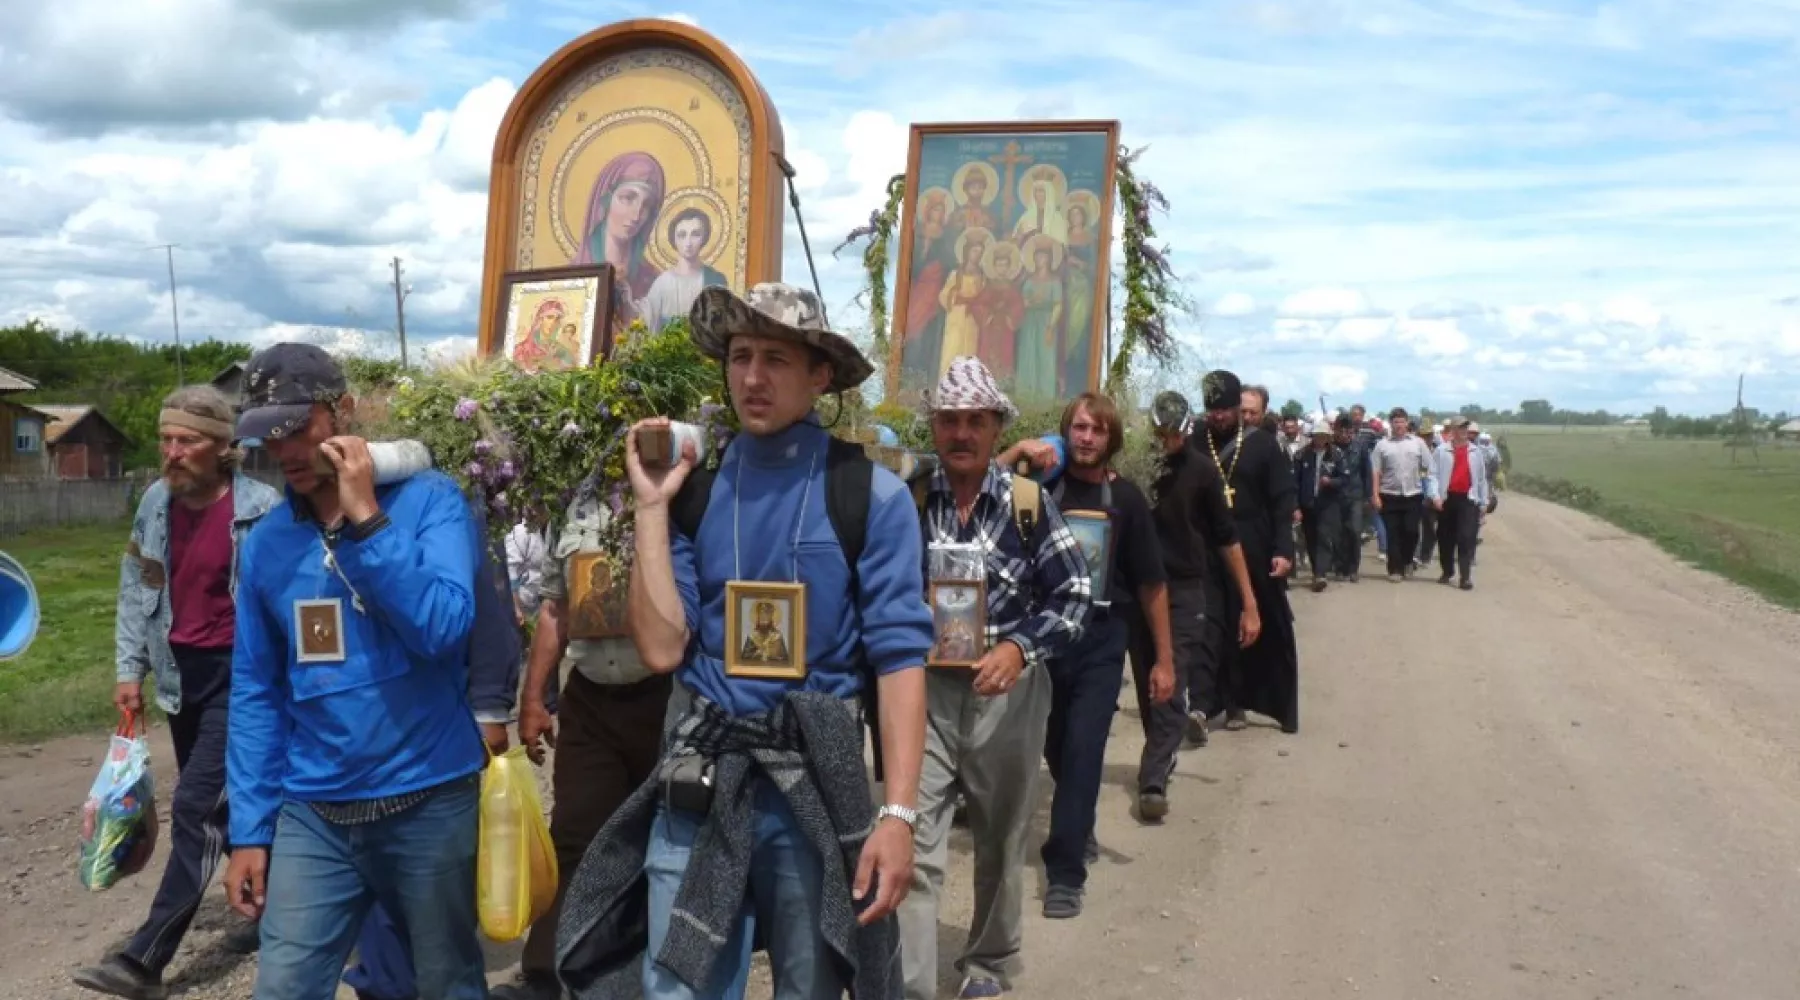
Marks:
<point>786,883</point>
<point>324,878</point>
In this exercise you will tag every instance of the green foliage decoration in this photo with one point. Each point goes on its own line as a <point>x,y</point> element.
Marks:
<point>526,442</point>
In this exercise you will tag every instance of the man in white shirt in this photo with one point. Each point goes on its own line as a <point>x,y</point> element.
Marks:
<point>1402,474</point>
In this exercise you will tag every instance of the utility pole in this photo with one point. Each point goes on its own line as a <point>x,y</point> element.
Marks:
<point>174,312</point>
<point>401,291</point>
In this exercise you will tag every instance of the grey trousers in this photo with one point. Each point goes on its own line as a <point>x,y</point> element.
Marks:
<point>990,749</point>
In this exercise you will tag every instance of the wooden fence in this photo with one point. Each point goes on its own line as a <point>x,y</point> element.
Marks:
<point>29,504</point>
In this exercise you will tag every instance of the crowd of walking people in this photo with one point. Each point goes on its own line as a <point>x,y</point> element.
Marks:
<point>338,661</point>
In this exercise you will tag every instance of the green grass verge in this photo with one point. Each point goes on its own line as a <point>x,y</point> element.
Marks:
<point>64,682</point>
<point>1738,519</point>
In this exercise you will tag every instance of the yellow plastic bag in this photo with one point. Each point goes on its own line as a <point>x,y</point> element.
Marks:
<point>515,864</point>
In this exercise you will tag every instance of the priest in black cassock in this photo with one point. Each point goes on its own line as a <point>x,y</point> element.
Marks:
<point>1259,488</point>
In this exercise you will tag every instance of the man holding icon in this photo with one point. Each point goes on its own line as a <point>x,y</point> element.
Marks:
<point>176,620</point>
<point>353,758</point>
<point>1131,611</point>
<point>986,726</point>
<point>761,804</point>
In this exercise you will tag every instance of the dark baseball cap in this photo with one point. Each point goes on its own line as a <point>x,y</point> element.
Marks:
<point>281,384</point>
<point>1170,411</point>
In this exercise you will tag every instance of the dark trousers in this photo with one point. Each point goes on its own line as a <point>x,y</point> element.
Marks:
<point>1197,681</point>
<point>1348,551</point>
<point>198,818</point>
<point>1084,694</point>
<point>1458,527</point>
<point>1323,527</point>
<point>608,741</point>
<point>1428,533</point>
<point>1401,515</point>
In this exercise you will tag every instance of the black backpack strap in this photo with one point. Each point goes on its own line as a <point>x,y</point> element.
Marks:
<point>688,508</point>
<point>849,482</point>
<point>849,489</point>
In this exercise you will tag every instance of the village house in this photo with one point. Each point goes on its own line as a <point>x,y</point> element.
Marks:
<point>22,450</point>
<point>83,444</point>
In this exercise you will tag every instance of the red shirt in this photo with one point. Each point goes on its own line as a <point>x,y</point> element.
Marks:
<point>1459,472</point>
<point>200,574</point>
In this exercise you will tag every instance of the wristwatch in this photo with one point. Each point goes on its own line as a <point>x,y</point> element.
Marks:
<point>908,816</point>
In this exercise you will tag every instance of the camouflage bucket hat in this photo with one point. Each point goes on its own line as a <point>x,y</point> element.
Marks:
<point>780,312</point>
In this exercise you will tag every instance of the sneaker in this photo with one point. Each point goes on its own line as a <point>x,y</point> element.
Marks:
<point>1318,585</point>
<point>1062,902</point>
<point>980,988</point>
<point>118,976</point>
<point>1235,721</point>
<point>1394,578</point>
<point>528,986</point>
<point>1467,585</point>
<point>1355,578</point>
<point>1196,728</point>
<point>1153,805</point>
<point>1445,579</point>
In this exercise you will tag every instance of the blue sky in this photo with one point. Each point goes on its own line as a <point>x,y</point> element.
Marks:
<point>1414,201</point>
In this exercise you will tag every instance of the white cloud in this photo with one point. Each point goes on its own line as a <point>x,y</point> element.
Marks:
<point>1338,379</point>
<point>1327,304</point>
<point>1233,304</point>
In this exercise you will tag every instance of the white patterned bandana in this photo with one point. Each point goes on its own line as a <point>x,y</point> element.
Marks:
<point>968,385</point>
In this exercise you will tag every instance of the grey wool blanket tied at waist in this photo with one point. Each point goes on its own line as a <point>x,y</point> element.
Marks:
<point>810,747</point>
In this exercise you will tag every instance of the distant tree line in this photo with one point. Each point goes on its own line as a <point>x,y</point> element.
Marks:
<point>126,380</point>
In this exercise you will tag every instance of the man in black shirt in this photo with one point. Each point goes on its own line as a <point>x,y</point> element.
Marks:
<point>1188,508</point>
<point>1131,610</point>
<point>1263,677</point>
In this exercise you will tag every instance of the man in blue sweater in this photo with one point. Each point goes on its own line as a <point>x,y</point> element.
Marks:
<point>766,522</point>
<point>353,759</point>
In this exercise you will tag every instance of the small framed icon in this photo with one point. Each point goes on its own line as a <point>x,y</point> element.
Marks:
<point>1093,531</point>
<point>596,597</point>
<point>765,630</point>
<point>319,631</point>
<point>958,623</point>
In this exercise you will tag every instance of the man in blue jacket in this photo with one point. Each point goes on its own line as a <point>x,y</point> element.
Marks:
<point>353,759</point>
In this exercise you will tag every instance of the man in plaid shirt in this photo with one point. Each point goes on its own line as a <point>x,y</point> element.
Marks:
<point>985,725</point>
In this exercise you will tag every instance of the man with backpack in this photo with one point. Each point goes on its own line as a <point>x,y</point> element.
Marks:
<point>986,724</point>
<point>759,818</point>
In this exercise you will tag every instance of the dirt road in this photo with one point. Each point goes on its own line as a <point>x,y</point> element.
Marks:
<point>1581,780</point>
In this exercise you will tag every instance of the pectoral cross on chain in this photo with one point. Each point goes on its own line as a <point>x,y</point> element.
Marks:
<point>1011,159</point>
<point>1230,496</point>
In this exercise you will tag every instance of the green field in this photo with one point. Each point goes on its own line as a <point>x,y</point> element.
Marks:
<point>64,682</point>
<point>1740,519</point>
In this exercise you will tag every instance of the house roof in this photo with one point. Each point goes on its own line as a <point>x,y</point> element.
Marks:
<point>11,381</point>
<point>64,419</point>
<point>1791,427</point>
<point>230,370</point>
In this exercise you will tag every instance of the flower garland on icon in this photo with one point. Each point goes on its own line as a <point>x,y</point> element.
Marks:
<point>526,443</point>
<point>1151,289</point>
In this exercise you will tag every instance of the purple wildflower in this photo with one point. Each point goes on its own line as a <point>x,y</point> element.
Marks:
<point>632,386</point>
<point>615,499</point>
<point>483,446</point>
<point>465,410</point>
<point>474,470</point>
<point>571,429</point>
